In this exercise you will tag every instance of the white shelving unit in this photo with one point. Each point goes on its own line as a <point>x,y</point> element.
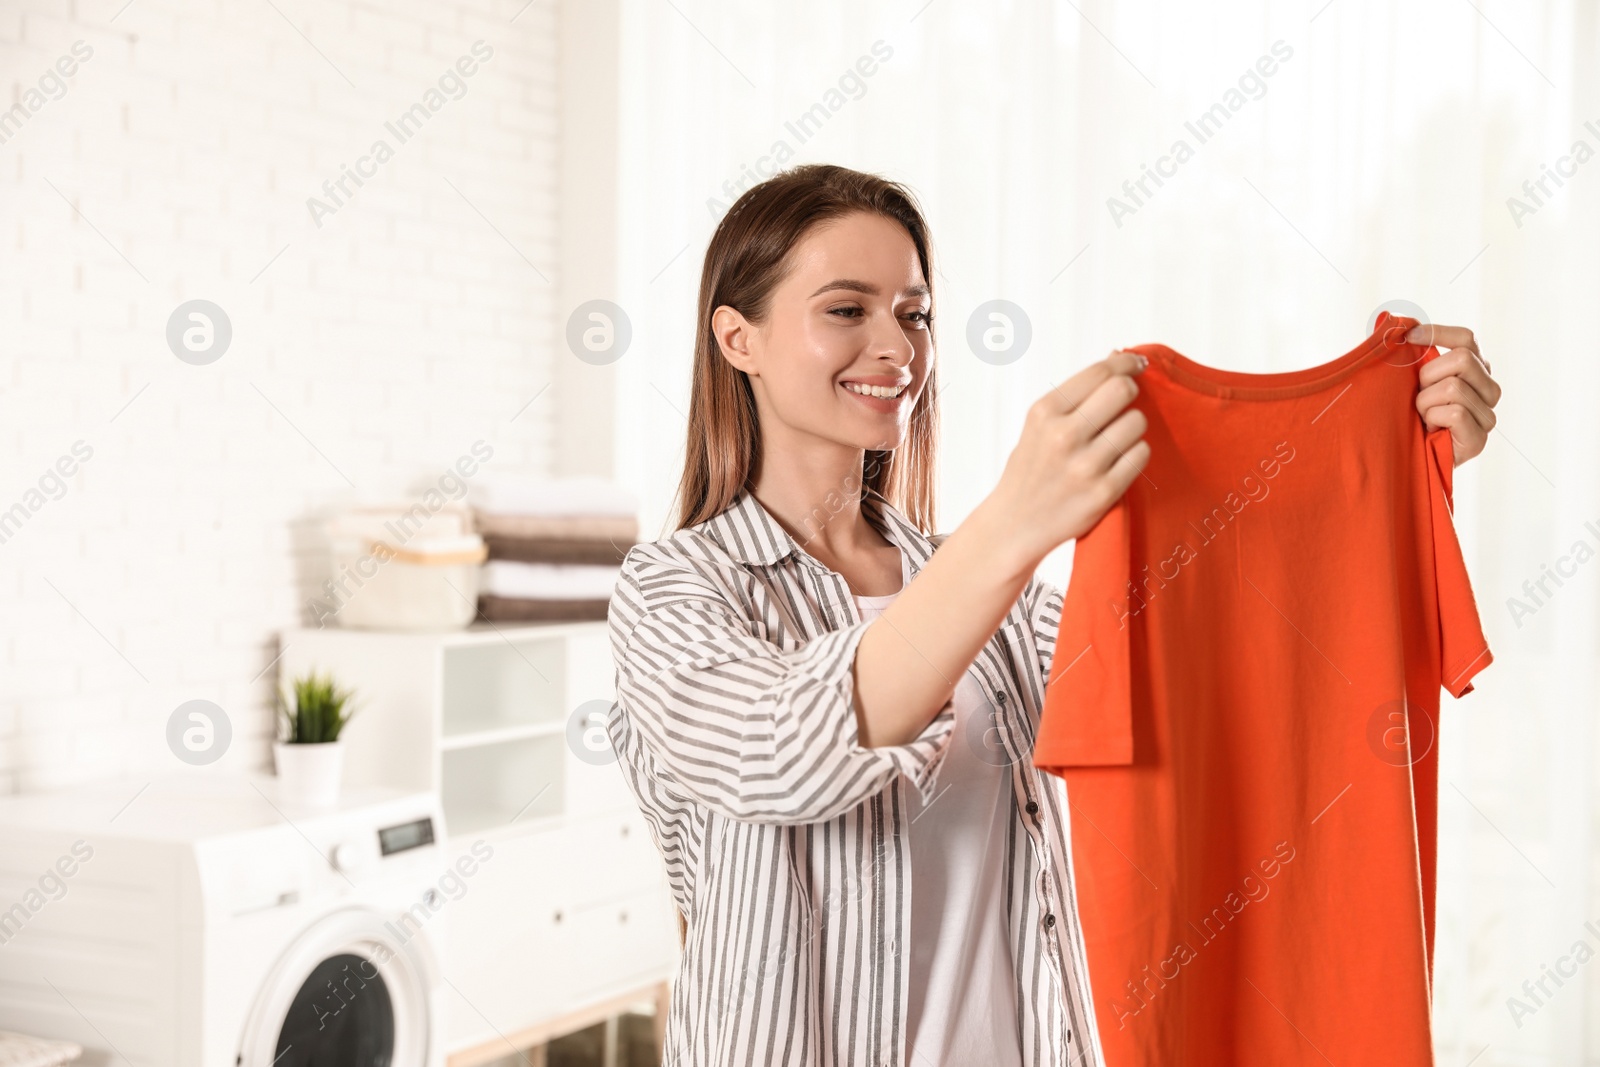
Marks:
<point>572,910</point>
<point>480,715</point>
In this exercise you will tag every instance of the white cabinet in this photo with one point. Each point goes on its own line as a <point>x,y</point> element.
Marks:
<point>481,715</point>
<point>505,722</point>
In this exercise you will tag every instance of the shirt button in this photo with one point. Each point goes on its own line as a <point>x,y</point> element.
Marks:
<point>1000,697</point>
<point>1032,807</point>
<point>1049,920</point>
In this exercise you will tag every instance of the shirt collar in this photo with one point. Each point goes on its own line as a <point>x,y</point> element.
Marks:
<point>749,533</point>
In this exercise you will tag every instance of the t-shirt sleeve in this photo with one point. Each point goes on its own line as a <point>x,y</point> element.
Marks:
<point>1463,651</point>
<point>1087,719</point>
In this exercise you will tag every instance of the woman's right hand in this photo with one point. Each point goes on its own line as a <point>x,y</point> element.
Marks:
<point>1081,447</point>
<point>1079,451</point>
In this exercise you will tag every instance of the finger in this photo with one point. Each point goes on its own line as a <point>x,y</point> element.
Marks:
<point>1121,434</point>
<point>1072,392</point>
<point>1128,466</point>
<point>1466,436</point>
<point>1458,416</point>
<point>1448,417</point>
<point>1468,365</point>
<point>1455,392</point>
<point>1425,333</point>
<point>1103,405</point>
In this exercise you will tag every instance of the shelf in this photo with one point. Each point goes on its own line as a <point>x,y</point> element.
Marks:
<point>498,633</point>
<point>452,742</point>
<point>503,686</point>
<point>490,787</point>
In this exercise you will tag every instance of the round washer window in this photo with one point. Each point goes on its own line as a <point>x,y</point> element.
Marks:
<point>341,1017</point>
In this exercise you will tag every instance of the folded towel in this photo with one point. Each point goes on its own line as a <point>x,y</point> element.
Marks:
<point>614,529</point>
<point>548,581</point>
<point>582,496</point>
<point>20,1050</point>
<point>511,609</point>
<point>556,550</point>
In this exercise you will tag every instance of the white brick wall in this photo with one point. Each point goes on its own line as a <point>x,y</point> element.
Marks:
<point>392,337</point>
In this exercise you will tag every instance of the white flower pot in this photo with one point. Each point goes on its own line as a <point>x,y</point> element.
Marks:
<point>308,775</point>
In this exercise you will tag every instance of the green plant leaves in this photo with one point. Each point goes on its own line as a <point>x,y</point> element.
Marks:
<point>319,711</point>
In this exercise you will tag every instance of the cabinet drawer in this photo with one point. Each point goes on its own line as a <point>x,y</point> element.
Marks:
<point>607,857</point>
<point>617,945</point>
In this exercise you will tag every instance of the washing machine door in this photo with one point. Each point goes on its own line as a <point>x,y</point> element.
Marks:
<point>352,991</point>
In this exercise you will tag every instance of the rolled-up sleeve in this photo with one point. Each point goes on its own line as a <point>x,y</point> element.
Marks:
<point>736,722</point>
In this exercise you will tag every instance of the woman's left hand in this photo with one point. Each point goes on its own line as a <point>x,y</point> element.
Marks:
<point>1456,390</point>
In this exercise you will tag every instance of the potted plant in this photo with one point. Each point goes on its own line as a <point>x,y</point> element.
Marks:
<point>310,756</point>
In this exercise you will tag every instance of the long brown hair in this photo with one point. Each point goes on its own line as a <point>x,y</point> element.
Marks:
<point>746,259</point>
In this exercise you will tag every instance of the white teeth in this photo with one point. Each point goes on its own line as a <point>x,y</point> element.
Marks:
<point>884,391</point>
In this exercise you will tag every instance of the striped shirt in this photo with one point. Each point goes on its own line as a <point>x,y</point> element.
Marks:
<point>783,837</point>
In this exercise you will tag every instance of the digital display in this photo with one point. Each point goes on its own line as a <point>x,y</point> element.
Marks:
<point>392,839</point>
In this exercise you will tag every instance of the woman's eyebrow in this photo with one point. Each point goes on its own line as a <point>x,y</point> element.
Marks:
<point>865,288</point>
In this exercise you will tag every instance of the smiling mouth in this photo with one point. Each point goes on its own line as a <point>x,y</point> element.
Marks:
<point>879,392</point>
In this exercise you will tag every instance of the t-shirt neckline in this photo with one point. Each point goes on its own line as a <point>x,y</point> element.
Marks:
<point>1388,333</point>
<point>905,579</point>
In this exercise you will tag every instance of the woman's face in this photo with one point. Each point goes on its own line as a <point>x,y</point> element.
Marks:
<point>853,308</point>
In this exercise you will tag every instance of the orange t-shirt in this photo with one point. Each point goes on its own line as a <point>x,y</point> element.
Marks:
<point>1244,703</point>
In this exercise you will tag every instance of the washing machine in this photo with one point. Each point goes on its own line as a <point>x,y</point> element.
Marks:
<point>200,920</point>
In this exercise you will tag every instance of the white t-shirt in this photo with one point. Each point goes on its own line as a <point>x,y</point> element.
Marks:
<point>962,1007</point>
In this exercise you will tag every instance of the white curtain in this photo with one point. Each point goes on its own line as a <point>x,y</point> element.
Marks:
<point>1374,163</point>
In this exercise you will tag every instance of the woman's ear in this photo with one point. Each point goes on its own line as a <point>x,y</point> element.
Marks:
<point>734,334</point>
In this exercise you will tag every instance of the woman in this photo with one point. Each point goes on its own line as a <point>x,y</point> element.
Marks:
<point>827,723</point>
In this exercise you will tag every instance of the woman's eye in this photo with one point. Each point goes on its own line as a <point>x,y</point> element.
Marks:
<point>921,319</point>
